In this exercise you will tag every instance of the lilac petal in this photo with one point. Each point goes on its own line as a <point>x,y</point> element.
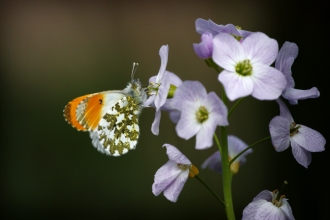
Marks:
<point>204,137</point>
<point>250,211</point>
<point>270,212</point>
<point>165,176</point>
<point>279,129</point>
<point>163,53</point>
<point>284,111</point>
<point>302,156</point>
<point>175,116</point>
<point>259,48</point>
<point>288,51</point>
<point>297,94</point>
<point>202,26</point>
<point>216,108</point>
<point>173,191</point>
<point>227,51</point>
<point>175,155</point>
<point>174,79</point>
<point>188,126</point>
<point>235,85</point>
<point>268,82</point>
<point>235,146</point>
<point>150,101</point>
<point>152,79</point>
<point>309,139</point>
<point>213,162</point>
<point>265,194</point>
<point>155,124</point>
<point>205,47</point>
<point>162,92</point>
<point>286,208</point>
<point>229,28</point>
<point>189,91</point>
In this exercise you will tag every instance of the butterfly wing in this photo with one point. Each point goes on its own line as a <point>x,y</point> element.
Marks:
<point>118,129</point>
<point>85,112</point>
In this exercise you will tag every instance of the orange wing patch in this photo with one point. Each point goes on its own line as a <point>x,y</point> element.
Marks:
<point>93,110</point>
<point>69,113</point>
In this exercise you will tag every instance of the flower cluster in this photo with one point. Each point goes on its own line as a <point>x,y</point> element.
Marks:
<point>243,61</point>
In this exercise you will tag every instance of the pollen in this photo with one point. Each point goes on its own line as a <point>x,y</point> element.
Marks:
<point>244,68</point>
<point>202,114</point>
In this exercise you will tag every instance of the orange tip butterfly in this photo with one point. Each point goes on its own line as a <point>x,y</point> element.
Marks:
<point>111,117</point>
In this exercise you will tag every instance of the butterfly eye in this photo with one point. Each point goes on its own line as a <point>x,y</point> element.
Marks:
<point>100,101</point>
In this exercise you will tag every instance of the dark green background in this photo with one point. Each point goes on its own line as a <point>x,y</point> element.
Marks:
<point>54,51</point>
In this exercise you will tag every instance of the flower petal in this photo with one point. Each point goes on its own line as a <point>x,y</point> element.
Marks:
<point>302,156</point>
<point>288,51</point>
<point>163,53</point>
<point>204,137</point>
<point>235,146</point>
<point>259,48</point>
<point>296,94</point>
<point>268,82</point>
<point>205,47</point>
<point>156,122</point>
<point>279,128</point>
<point>173,191</point>
<point>265,194</point>
<point>216,108</point>
<point>213,162</point>
<point>189,91</point>
<point>175,155</point>
<point>284,111</point>
<point>250,211</point>
<point>162,91</point>
<point>309,139</point>
<point>227,51</point>
<point>165,176</point>
<point>188,125</point>
<point>286,208</point>
<point>270,212</point>
<point>236,86</point>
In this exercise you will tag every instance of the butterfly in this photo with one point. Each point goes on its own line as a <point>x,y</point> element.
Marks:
<point>110,117</point>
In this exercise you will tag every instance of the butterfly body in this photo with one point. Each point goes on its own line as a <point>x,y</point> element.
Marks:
<point>111,117</point>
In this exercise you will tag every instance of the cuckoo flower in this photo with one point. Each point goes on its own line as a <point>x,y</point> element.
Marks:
<point>175,81</point>
<point>201,113</point>
<point>159,85</point>
<point>247,68</point>
<point>172,176</point>
<point>235,146</point>
<point>303,140</point>
<point>208,29</point>
<point>284,61</point>
<point>268,205</point>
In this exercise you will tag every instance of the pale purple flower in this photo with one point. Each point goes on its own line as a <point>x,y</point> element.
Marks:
<point>303,140</point>
<point>247,68</point>
<point>159,85</point>
<point>167,106</point>
<point>235,146</point>
<point>266,205</point>
<point>172,176</point>
<point>208,29</point>
<point>203,26</point>
<point>201,113</point>
<point>288,53</point>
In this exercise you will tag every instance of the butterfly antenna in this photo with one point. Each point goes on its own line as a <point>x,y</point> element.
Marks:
<point>135,66</point>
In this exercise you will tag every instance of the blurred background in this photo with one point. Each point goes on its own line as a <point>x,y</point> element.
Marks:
<point>54,51</point>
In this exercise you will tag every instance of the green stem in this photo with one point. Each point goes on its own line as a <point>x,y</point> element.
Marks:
<point>218,142</point>
<point>252,145</point>
<point>226,173</point>
<point>234,106</point>
<point>215,195</point>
